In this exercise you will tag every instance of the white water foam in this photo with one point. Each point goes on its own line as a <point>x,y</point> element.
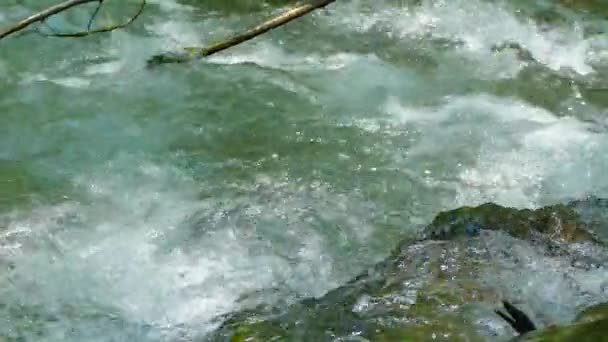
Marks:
<point>554,163</point>
<point>126,248</point>
<point>272,56</point>
<point>510,152</point>
<point>552,288</point>
<point>478,27</point>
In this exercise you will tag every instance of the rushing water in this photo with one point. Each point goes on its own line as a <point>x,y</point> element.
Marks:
<point>140,204</point>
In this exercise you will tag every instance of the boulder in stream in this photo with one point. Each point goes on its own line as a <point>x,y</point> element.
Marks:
<point>446,284</point>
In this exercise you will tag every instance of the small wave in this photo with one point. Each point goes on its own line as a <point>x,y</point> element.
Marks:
<point>477,27</point>
<point>496,149</point>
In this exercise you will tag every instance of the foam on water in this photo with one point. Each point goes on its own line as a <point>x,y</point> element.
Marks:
<point>499,109</point>
<point>553,163</point>
<point>271,56</point>
<point>457,21</point>
<point>477,27</point>
<point>143,247</point>
<point>177,34</point>
<point>552,289</point>
<point>72,82</point>
<point>519,155</point>
<point>171,6</point>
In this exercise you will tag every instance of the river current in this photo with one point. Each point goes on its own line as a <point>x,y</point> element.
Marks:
<point>141,204</point>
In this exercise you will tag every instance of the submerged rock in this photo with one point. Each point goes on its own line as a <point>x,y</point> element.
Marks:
<point>597,7</point>
<point>22,323</point>
<point>446,284</point>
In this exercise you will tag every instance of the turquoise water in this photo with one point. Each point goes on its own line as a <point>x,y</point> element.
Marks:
<point>140,204</point>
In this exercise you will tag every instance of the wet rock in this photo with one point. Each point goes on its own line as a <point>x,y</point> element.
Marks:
<point>594,313</point>
<point>597,7</point>
<point>445,285</point>
<point>558,222</point>
<point>591,325</point>
<point>593,214</point>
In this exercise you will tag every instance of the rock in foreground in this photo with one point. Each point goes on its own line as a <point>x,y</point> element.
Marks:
<point>446,284</point>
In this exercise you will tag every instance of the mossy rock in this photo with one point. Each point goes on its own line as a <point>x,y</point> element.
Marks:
<point>431,288</point>
<point>590,326</point>
<point>558,222</point>
<point>598,7</point>
<point>261,331</point>
<point>594,313</point>
<point>374,307</point>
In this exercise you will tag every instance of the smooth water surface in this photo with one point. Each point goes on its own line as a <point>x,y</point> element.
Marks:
<point>140,204</point>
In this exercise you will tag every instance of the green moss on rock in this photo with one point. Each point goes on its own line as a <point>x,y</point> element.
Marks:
<point>557,222</point>
<point>429,288</point>
<point>590,326</point>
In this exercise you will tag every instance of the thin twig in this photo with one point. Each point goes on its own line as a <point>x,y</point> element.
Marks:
<point>100,30</point>
<point>43,15</point>
<point>40,16</point>
<point>94,15</point>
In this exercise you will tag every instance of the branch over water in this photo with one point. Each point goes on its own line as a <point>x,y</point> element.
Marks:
<point>62,7</point>
<point>189,53</point>
<point>192,53</point>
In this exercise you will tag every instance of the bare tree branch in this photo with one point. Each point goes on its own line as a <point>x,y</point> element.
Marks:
<point>100,30</point>
<point>56,9</point>
<point>189,54</point>
<point>197,52</point>
<point>40,16</point>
